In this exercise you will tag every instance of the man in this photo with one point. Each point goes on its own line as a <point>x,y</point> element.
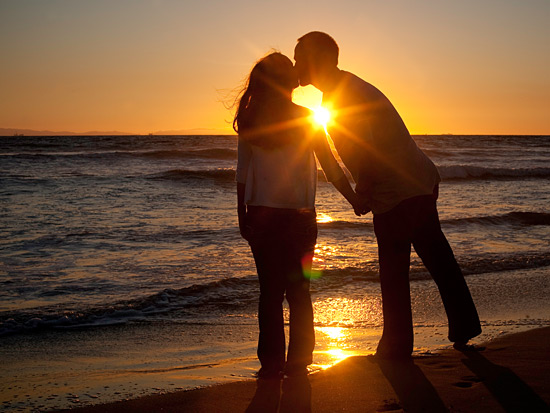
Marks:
<point>399,183</point>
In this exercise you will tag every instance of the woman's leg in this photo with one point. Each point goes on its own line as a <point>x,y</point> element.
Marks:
<point>302,236</point>
<point>271,341</point>
<point>301,334</point>
<point>266,244</point>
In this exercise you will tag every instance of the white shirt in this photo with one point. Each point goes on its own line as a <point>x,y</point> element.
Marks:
<point>285,176</point>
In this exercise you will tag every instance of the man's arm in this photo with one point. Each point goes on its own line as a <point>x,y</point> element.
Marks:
<point>335,174</point>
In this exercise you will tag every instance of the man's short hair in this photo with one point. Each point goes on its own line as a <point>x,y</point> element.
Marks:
<point>320,47</point>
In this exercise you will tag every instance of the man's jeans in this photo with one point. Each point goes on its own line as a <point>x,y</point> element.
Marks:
<point>415,221</point>
<point>282,242</point>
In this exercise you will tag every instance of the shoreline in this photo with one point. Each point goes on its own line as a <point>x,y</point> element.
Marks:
<point>73,368</point>
<point>510,374</point>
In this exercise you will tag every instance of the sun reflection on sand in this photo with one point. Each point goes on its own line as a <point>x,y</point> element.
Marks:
<point>343,328</point>
<point>336,339</point>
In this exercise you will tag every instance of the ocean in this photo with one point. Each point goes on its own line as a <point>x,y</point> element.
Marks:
<point>129,241</point>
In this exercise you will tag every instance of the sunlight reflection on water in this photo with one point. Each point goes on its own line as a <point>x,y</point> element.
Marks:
<point>323,218</point>
<point>348,312</point>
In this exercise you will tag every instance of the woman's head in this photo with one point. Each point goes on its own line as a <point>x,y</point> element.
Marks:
<point>272,78</point>
<point>273,75</point>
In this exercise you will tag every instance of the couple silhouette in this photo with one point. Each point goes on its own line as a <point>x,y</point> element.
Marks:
<point>276,184</point>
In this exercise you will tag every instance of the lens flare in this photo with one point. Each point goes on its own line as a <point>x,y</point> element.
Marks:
<point>321,116</point>
<point>308,272</point>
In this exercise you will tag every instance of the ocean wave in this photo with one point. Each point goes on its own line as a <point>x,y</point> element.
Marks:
<point>511,218</point>
<point>456,172</point>
<point>519,218</point>
<point>448,173</point>
<point>206,236</point>
<point>220,294</point>
<point>220,174</point>
<point>233,294</point>
<point>210,153</point>
<point>439,153</point>
<point>213,153</point>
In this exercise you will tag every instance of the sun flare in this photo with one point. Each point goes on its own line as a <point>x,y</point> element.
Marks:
<point>321,116</point>
<point>312,98</point>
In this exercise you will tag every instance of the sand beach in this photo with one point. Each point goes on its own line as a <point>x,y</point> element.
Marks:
<point>511,374</point>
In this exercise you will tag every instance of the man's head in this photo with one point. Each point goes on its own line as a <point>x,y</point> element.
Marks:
<point>316,55</point>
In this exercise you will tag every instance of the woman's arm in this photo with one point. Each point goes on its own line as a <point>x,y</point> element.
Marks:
<point>244,156</point>
<point>241,209</point>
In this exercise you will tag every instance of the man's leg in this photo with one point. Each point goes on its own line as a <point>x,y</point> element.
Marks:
<point>432,247</point>
<point>394,249</point>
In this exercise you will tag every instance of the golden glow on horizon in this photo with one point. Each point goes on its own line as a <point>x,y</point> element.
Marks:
<point>162,78</point>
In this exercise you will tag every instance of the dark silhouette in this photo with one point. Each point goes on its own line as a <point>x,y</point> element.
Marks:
<point>276,181</point>
<point>513,394</point>
<point>266,398</point>
<point>399,183</point>
<point>412,387</point>
<point>295,396</point>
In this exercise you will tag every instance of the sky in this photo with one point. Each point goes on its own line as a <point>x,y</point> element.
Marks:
<point>143,66</point>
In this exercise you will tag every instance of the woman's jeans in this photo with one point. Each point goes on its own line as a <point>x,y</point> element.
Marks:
<point>282,242</point>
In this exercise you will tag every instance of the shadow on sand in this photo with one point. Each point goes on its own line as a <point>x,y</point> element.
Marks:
<point>416,393</point>
<point>512,393</point>
<point>294,396</point>
<point>413,389</point>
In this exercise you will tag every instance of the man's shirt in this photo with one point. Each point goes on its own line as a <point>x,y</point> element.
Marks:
<point>376,147</point>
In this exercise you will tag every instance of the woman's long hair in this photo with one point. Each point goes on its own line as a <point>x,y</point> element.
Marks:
<point>262,114</point>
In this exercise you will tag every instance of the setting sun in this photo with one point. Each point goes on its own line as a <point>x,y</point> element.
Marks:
<point>311,98</point>
<point>321,116</point>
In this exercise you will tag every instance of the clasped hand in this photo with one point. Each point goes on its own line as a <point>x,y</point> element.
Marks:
<point>360,205</point>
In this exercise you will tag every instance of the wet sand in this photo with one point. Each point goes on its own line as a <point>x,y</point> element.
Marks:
<point>512,373</point>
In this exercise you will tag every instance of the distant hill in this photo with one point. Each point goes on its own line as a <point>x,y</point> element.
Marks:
<point>30,132</point>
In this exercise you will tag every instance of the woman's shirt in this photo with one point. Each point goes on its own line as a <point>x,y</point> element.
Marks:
<point>285,176</point>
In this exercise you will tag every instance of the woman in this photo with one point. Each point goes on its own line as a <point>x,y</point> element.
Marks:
<point>276,182</point>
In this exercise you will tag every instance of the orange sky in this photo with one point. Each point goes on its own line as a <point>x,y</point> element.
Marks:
<point>140,66</point>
